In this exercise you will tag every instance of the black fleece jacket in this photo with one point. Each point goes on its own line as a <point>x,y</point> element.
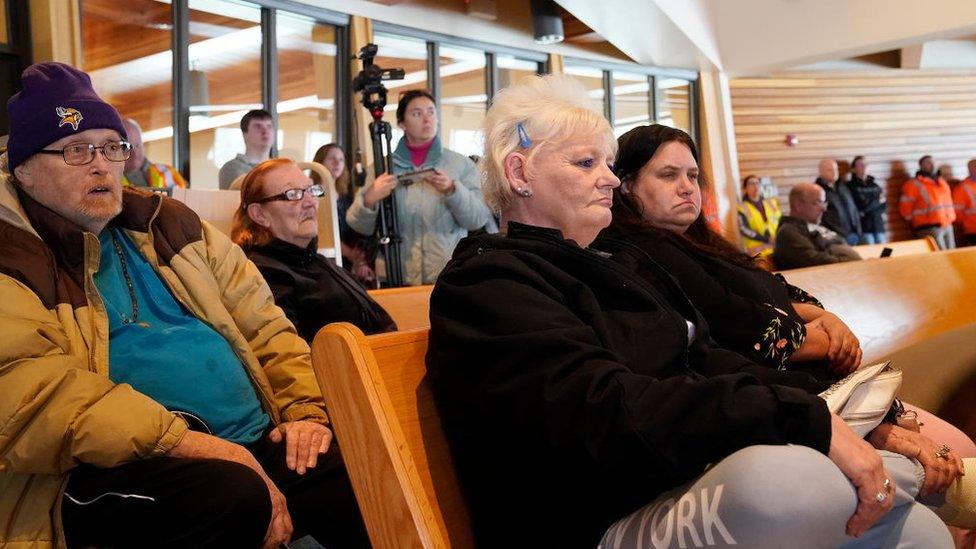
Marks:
<point>313,292</point>
<point>570,393</point>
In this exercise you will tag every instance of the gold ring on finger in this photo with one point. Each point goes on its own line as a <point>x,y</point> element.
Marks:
<point>881,497</point>
<point>943,452</point>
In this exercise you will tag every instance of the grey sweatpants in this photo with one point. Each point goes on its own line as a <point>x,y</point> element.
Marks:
<point>943,236</point>
<point>779,496</point>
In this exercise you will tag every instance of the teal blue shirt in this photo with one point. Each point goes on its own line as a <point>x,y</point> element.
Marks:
<point>170,355</point>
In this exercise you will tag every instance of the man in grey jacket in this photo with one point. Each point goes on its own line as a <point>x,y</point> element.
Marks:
<point>434,214</point>
<point>258,128</point>
<point>801,240</point>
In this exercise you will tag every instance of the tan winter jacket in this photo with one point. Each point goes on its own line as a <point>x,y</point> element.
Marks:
<point>58,407</point>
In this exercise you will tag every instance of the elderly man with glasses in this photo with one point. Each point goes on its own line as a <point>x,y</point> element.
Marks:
<point>151,393</point>
<point>803,240</point>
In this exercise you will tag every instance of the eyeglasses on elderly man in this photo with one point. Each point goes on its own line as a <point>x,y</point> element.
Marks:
<point>79,154</point>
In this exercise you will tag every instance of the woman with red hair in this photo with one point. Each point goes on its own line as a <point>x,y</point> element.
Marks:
<point>277,225</point>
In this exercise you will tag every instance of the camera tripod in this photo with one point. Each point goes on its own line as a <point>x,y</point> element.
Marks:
<point>388,236</point>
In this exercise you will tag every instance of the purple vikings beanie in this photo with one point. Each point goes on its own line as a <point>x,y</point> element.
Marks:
<point>57,101</point>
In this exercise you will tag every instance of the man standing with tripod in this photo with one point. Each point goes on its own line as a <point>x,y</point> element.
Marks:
<point>435,209</point>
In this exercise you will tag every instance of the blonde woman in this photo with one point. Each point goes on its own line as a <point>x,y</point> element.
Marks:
<point>584,400</point>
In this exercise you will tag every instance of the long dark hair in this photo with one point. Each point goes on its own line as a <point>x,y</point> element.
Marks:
<point>409,96</point>
<point>636,148</point>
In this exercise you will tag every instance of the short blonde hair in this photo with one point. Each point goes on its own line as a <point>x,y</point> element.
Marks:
<point>551,109</point>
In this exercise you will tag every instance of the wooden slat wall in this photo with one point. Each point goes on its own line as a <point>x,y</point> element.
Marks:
<point>892,117</point>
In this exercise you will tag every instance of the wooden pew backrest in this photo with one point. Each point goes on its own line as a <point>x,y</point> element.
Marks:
<point>900,248</point>
<point>895,302</point>
<point>409,306</point>
<point>214,206</point>
<point>384,416</point>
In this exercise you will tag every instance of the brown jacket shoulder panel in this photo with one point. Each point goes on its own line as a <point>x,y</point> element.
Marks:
<point>30,261</point>
<point>174,225</point>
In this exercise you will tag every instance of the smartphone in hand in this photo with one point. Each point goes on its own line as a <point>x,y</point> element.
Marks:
<point>409,178</point>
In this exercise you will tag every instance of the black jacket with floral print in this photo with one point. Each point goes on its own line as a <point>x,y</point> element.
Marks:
<point>749,311</point>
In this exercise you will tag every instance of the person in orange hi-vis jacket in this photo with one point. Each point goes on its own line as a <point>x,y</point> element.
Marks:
<point>964,198</point>
<point>926,204</point>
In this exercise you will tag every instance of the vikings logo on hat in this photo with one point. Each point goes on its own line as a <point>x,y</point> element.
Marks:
<point>69,116</point>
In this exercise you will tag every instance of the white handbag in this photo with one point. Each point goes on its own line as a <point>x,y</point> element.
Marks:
<point>863,398</point>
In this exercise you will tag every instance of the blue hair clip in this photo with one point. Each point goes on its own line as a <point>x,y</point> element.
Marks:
<point>524,140</point>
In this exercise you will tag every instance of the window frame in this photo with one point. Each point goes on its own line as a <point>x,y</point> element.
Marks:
<point>435,40</point>
<point>652,73</point>
<point>345,102</point>
<point>269,68</point>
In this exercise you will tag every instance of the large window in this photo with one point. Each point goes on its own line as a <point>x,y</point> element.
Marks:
<point>224,82</point>
<point>632,95</point>
<point>307,75</point>
<point>675,103</point>
<point>632,101</point>
<point>126,50</point>
<point>511,69</point>
<point>463,100</point>
<point>465,77</point>
<point>398,52</point>
<point>238,55</point>
<point>592,80</point>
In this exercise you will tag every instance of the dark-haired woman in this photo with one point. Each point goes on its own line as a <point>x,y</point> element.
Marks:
<point>748,310</point>
<point>433,212</point>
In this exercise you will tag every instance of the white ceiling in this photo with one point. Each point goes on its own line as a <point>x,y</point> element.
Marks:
<point>744,37</point>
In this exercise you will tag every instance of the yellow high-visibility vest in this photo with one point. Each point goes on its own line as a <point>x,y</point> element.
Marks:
<point>160,176</point>
<point>754,228</point>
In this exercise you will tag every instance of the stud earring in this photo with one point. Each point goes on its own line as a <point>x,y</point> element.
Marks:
<point>524,193</point>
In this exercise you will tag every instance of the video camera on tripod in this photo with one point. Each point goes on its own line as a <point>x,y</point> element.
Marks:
<point>369,82</point>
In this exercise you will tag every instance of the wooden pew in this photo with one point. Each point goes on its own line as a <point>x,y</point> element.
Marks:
<point>900,248</point>
<point>409,306</point>
<point>383,413</point>
<point>917,310</point>
<point>214,206</point>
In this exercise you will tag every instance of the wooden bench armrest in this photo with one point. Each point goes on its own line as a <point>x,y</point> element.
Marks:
<point>383,474</point>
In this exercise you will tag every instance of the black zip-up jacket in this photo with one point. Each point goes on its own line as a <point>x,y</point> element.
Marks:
<point>570,393</point>
<point>842,215</point>
<point>313,292</point>
<point>867,195</point>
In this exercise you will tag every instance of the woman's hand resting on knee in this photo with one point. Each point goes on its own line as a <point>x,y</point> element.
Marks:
<point>860,462</point>
<point>939,471</point>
